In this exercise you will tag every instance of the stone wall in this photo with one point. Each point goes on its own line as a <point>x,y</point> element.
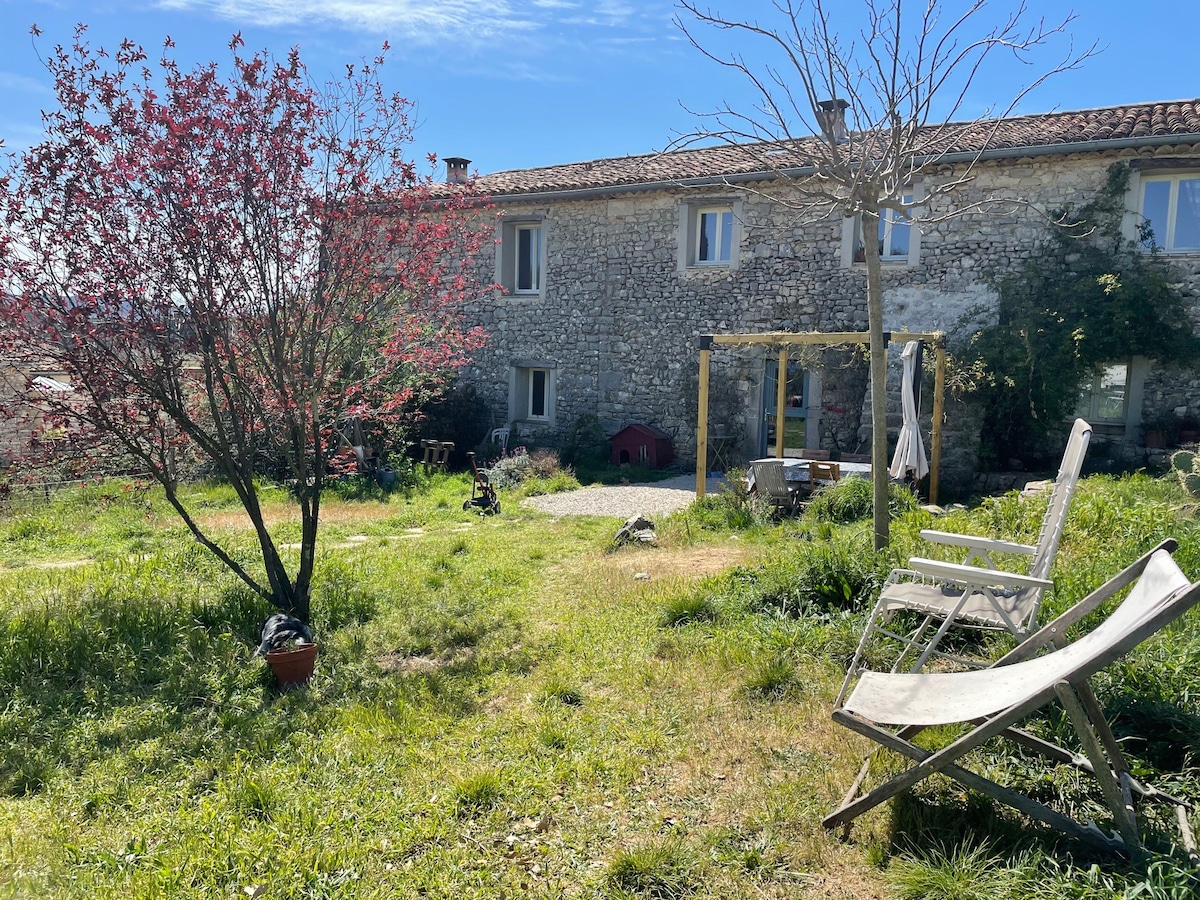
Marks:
<point>621,320</point>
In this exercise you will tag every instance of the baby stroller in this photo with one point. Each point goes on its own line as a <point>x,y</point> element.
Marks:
<point>483,495</point>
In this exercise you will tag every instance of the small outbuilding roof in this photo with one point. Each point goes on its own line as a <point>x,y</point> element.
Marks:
<point>647,430</point>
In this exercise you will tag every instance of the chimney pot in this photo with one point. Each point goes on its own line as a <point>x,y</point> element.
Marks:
<point>456,170</point>
<point>831,117</point>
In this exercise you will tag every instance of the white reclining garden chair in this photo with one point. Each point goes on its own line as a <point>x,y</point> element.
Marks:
<point>966,595</point>
<point>997,699</point>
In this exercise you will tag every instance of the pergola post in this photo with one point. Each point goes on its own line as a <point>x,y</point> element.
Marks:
<point>702,416</point>
<point>780,400</point>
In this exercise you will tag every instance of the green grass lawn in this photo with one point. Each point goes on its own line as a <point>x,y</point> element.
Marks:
<point>503,707</point>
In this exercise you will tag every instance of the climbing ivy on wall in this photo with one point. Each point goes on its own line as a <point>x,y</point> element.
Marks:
<point>1085,298</point>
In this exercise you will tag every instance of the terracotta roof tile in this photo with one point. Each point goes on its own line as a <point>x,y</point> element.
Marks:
<point>1142,120</point>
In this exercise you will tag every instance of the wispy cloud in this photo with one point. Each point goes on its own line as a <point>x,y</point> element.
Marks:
<point>11,82</point>
<point>465,29</point>
<point>415,20</point>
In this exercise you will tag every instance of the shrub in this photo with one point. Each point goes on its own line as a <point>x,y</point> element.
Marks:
<point>733,509</point>
<point>852,500</point>
<point>459,415</point>
<point>510,470</point>
<point>587,444</point>
<point>817,579</point>
<point>531,473</point>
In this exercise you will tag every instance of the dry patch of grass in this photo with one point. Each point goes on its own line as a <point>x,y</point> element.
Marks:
<point>688,563</point>
<point>333,512</point>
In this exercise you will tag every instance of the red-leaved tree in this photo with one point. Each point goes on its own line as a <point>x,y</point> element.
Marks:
<point>234,264</point>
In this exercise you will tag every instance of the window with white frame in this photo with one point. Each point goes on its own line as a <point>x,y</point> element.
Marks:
<point>529,259</point>
<point>709,233</point>
<point>531,391</point>
<point>1105,395</point>
<point>1170,207</point>
<point>714,236</point>
<point>895,237</point>
<point>521,268</point>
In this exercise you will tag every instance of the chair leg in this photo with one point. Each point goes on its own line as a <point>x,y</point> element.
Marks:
<point>859,651</point>
<point>927,763</point>
<point>1115,789</point>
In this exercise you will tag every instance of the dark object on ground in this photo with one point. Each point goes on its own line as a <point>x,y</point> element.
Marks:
<point>280,629</point>
<point>637,528</point>
<point>483,494</point>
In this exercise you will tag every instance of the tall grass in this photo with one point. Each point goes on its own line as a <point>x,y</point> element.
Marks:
<point>500,708</point>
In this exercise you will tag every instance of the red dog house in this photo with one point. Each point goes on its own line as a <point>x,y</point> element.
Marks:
<point>642,445</point>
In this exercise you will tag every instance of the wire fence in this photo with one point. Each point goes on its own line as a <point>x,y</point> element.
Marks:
<point>23,493</point>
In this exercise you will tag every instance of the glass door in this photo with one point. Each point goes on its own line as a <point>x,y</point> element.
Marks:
<point>795,421</point>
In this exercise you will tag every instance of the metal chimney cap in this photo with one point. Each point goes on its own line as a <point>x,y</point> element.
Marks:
<point>456,169</point>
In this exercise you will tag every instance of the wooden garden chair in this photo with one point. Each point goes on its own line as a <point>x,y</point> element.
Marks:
<point>773,487</point>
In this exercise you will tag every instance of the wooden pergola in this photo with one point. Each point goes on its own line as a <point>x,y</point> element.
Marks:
<point>783,340</point>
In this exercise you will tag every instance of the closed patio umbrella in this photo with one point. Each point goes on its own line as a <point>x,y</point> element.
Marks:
<point>910,452</point>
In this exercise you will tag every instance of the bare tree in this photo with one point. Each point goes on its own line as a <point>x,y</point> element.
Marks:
<point>850,126</point>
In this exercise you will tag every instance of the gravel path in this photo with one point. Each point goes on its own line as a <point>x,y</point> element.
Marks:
<point>655,499</point>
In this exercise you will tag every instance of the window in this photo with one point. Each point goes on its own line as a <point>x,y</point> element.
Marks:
<point>1104,397</point>
<point>709,234</point>
<point>521,268</point>
<point>539,379</point>
<point>531,391</point>
<point>529,259</point>
<point>899,240</point>
<point>895,235</point>
<point>714,236</point>
<point>1170,207</point>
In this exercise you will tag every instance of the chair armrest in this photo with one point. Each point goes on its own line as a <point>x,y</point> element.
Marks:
<point>967,575</point>
<point>989,545</point>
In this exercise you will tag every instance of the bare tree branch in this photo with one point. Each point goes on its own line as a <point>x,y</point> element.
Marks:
<point>904,86</point>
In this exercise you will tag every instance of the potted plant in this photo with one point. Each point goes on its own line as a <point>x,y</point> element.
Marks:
<point>293,663</point>
<point>287,645</point>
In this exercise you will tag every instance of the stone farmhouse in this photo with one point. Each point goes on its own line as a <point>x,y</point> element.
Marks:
<point>613,269</point>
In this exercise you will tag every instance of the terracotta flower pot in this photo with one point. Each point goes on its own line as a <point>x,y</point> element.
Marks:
<point>293,668</point>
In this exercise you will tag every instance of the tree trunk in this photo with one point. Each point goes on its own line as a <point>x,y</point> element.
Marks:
<point>879,462</point>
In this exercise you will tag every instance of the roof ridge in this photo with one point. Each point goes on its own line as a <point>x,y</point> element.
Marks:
<point>659,154</point>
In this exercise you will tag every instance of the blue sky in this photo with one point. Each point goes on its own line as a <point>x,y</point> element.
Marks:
<point>521,83</point>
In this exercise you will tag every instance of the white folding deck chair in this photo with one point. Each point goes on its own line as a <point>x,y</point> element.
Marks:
<point>995,700</point>
<point>969,595</point>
